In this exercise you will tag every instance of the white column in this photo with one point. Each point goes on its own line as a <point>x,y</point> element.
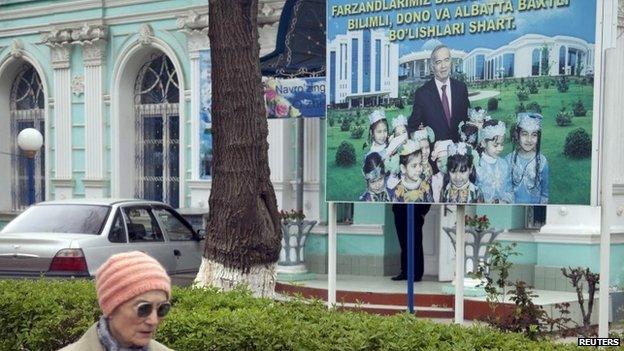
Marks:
<point>332,254</point>
<point>311,168</point>
<point>282,157</point>
<point>63,182</point>
<point>94,182</point>
<point>195,122</point>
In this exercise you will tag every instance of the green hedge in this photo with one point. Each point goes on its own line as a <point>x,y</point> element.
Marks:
<point>45,315</point>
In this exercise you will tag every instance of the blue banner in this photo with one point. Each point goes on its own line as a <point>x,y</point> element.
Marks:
<point>295,97</point>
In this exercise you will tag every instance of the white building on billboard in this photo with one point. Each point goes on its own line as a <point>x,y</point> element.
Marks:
<point>528,56</point>
<point>531,55</point>
<point>416,65</point>
<point>362,68</point>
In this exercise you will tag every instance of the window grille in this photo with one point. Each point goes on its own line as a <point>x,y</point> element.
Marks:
<point>27,110</point>
<point>157,121</point>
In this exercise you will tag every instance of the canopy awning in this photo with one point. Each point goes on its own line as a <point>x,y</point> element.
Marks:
<point>300,45</point>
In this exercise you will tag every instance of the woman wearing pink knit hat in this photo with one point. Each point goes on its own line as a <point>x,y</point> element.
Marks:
<point>133,292</point>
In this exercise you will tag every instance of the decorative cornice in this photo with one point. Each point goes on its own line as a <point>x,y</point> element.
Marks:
<point>193,22</point>
<point>146,34</point>
<point>89,36</point>
<point>94,53</point>
<point>60,56</point>
<point>195,26</point>
<point>85,35</point>
<point>121,18</point>
<point>17,48</point>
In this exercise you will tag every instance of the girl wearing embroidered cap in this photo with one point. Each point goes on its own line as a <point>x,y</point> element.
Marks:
<point>133,292</point>
<point>529,167</point>
<point>493,177</point>
<point>460,186</point>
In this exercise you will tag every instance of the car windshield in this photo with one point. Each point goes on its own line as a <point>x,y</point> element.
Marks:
<point>57,218</point>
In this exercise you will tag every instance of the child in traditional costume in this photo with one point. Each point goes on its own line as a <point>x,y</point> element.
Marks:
<point>529,168</point>
<point>460,187</point>
<point>493,174</point>
<point>412,187</point>
<point>375,175</point>
<point>439,156</point>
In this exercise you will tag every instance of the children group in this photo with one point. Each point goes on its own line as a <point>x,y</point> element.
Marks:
<point>417,168</point>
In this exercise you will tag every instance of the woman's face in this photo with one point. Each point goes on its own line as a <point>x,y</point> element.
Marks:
<point>128,328</point>
<point>459,178</point>
<point>380,133</point>
<point>528,141</point>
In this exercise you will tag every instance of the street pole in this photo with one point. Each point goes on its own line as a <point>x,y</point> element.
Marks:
<point>410,258</point>
<point>460,243</point>
<point>30,141</point>
<point>30,166</point>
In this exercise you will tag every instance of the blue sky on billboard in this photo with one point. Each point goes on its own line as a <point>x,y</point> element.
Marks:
<point>577,19</point>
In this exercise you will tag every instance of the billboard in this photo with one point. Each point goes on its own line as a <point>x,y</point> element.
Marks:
<point>294,97</point>
<point>433,101</point>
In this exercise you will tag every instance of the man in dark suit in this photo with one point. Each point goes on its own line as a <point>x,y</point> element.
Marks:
<point>441,103</point>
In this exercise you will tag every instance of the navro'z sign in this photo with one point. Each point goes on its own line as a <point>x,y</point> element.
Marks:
<point>441,101</point>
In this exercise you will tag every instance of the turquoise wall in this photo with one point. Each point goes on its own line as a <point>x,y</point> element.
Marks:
<point>570,255</point>
<point>119,36</point>
<point>503,217</point>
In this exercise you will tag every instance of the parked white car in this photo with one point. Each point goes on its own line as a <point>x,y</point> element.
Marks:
<point>74,237</point>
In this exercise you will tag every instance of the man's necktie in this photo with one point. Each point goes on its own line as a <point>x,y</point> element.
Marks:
<point>445,106</point>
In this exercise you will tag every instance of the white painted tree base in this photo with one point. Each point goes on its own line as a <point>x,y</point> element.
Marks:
<point>260,280</point>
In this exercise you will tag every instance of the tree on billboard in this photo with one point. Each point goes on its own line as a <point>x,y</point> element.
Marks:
<point>243,232</point>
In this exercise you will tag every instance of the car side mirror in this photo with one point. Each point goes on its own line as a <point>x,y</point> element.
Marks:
<point>200,235</point>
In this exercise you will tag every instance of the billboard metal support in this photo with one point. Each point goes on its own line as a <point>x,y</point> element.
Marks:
<point>300,156</point>
<point>410,258</point>
<point>460,239</point>
<point>331,256</point>
<point>607,11</point>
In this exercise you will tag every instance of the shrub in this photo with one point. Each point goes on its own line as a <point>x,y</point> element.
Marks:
<point>578,144</point>
<point>345,125</point>
<point>46,315</point>
<point>331,122</point>
<point>563,85</point>
<point>564,118</point>
<point>533,89</point>
<point>547,83</point>
<point>534,106</point>
<point>399,103</point>
<point>492,104</point>
<point>345,155</point>
<point>356,132</point>
<point>523,94</point>
<point>520,108</point>
<point>579,109</point>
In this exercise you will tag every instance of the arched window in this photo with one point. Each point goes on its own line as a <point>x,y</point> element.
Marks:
<point>27,111</point>
<point>157,121</point>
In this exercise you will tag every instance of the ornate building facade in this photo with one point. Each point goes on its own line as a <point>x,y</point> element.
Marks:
<point>115,88</point>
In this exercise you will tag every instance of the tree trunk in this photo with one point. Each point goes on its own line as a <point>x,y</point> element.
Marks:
<point>243,234</point>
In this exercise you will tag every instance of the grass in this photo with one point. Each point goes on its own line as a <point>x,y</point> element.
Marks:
<point>569,178</point>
